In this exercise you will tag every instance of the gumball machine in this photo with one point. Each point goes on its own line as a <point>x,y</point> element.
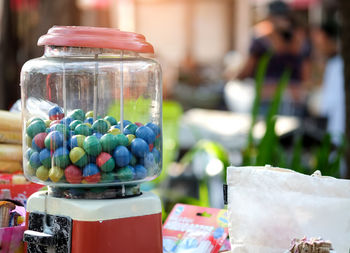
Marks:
<point>92,133</point>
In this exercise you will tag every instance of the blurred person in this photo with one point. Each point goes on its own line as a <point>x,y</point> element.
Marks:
<point>332,102</point>
<point>280,37</point>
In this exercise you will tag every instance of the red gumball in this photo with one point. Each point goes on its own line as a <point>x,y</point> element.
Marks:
<point>93,178</point>
<point>138,124</point>
<point>73,174</point>
<point>39,140</point>
<point>102,159</point>
<point>151,147</point>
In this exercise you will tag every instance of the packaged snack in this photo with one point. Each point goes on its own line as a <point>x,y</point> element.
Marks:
<point>194,229</point>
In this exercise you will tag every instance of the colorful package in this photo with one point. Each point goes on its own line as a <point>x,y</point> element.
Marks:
<point>19,192</point>
<point>194,229</point>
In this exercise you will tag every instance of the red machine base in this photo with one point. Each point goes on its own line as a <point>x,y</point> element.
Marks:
<point>125,235</point>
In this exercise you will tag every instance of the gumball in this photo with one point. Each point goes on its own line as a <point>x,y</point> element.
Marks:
<point>98,135</point>
<point>54,140</point>
<point>140,172</point>
<point>133,160</point>
<point>100,126</point>
<point>126,132</point>
<point>121,140</point>
<point>150,147</point>
<point>54,122</point>
<point>89,120</point>
<point>89,114</point>
<point>154,127</point>
<point>78,156</point>
<point>148,161</point>
<point>45,157</point>
<point>131,128</point>
<point>139,147</point>
<point>73,174</point>
<point>126,173</point>
<point>156,155</point>
<point>34,160</point>
<point>107,177</point>
<point>28,141</point>
<point>138,124</point>
<point>56,173</point>
<point>92,145</point>
<point>91,173</point>
<point>62,129</point>
<point>47,122</point>
<point>66,121</point>
<point>125,123</point>
<point>111,120</point>
<point>130,137</point>
<point>32,119</point>
<point>42,173</point>
<point>145,133</point>
<point>29,170</point>
<point>121,156</point>
<point>36,127</point>
<point>88,124</point>
<point>108,142</point>
<point>83,130</point>
<point>76,141</point>
<point>28,153</point>
<point>74,124</point>
<point>105,162</point>
<point>56,112</point>
<point>114,131</point>
<point>77,114</point>
<point>61,157</point>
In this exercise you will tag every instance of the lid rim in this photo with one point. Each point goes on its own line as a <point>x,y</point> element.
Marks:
<point>95,37</point>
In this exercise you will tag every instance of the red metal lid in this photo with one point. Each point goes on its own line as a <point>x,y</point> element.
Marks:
<point>96,37</point>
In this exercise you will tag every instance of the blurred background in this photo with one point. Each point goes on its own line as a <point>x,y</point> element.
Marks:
<point>246,82</point>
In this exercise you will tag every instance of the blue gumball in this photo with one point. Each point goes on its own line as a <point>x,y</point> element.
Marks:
<point>66,121</point>
<point>54,140</point>
<point>148,161</point>
<point>121,156</point>
<point>45,157</point>
<point>90,170</point>
<point>156,155</point>
<point>34,160</point>
<point>126,131</point>
<point>28,153</point>
<point>140,172</point>
<point>56,113</point>
<point>146,134</point>
<point>154,127</point>
<point>139,147</point>
<point>125,123</point>
<point>98,135</point>
<point>89,120</point>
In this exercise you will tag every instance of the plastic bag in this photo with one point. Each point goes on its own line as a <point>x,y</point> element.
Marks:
<point>269,207</point>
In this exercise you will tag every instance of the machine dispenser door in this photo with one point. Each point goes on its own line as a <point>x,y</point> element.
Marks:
<point>48,233</point>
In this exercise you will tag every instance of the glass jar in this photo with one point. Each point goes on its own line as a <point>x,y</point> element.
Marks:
<point>92,109</point>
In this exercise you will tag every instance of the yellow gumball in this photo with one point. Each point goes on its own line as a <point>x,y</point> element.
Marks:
<point>55,174</point>
<point>42,173</point>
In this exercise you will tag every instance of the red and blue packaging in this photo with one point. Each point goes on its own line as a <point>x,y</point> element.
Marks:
<point>194,229</point>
